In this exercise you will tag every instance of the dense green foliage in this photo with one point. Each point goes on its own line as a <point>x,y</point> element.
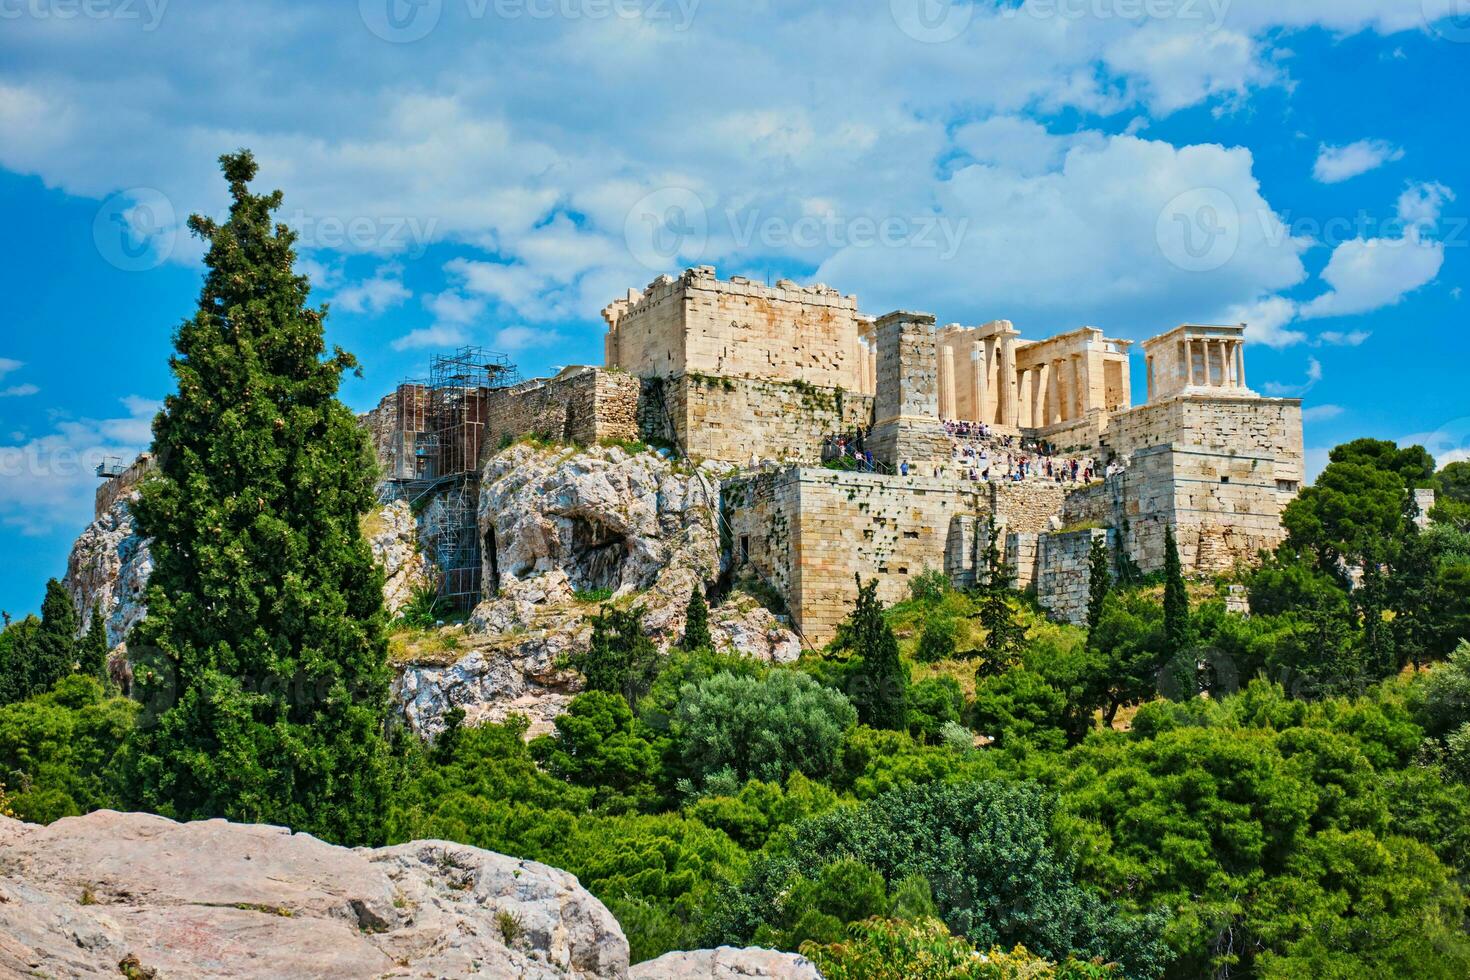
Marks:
<point>730,728</point>
<point>265,629</point>
<point>878,681</point>
<point>56,749</point>
<point>923,949</point>
<point>620,658</point>
<point>36,653</point>
<point>984,850</point>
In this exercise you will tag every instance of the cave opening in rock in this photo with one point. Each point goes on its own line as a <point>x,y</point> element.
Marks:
<point>597,556</point>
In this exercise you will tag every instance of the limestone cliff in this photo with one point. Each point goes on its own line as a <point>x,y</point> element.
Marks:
<point>109,565</point>
<point>133,894</point>
<point>564,530</point>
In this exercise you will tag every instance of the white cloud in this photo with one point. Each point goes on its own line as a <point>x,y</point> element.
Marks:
<point>1321,413</point>
<point>47,483</point>
<point>1280,390</point>
<point>1093,234</point>
<point>1369,274</point>
<point>1420,204</point>
<point>1336,338</point>
<point>377,294</point>
<point>453,312</point>
<point>19,391</point>
<point>522,338</point>
<point>1265,321</point>
<point>1338,163</point>
<point>8,364</point>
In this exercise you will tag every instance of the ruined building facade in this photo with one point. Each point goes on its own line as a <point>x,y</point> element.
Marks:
<point>767,379</point>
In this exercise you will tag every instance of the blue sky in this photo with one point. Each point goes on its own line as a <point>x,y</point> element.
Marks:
<point>496,171</point>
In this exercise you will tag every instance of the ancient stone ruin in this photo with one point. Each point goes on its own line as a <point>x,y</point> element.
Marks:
<point>822,442</point>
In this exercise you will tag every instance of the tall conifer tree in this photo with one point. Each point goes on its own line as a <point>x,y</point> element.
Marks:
<point>1176,597</point>
<point>265,627</point>
<point>1099,581</point>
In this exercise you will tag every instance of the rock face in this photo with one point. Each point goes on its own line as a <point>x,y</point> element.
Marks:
<point>726,963</point>
<point>393,535</point>
<point>607,519</point>
<point>558,523</point>
<point>109,566</point>
<point>215,899</point>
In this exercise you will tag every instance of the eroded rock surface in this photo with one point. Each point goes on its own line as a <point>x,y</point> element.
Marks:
<point>726,963</point>
<point>108,568</point>
<point>393,535</point>
<point>215,899</point>
<point>565,530</point>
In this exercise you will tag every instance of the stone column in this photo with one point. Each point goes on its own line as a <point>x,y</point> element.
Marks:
<point>947,408</point>
<point>1023,393</point>
<point>1008,412</point>
<point>1042,394</point>
<point>1240,368</point>
<point>1188,346</point>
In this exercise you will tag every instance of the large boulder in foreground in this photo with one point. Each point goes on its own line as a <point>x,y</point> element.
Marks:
<point>84,895</point>
<point>727,963</point>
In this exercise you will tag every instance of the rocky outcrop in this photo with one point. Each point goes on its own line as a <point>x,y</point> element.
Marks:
<point>607,519</point>
<point>744,626</point>
<point>131,894</point>
<point>109,567</point>
<point>726,963</point>
<point>565,530</point>
<point>393,535</point>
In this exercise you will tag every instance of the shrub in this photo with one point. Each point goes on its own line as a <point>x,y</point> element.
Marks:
<point>759,727</point>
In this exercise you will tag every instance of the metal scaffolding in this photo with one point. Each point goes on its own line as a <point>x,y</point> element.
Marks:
<point>441,423</point>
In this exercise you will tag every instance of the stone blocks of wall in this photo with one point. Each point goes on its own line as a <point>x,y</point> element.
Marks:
<point>582,405</point>
<point>698,323</point>
<point>811,531</point>
<point>121,485</point>
<point>731,419</point>
<point>1063,572</point>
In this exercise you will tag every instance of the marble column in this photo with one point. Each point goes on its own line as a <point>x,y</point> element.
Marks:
<point>1240,363</point>
<point>977,381</point>
<point>1008,383</point>
<point>946,381</point>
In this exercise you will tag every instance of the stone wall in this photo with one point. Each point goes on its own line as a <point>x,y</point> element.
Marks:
<point>810,531</point>
<point>582,405</point>
<point>698,324</point>
<point>731,419</point>
<point>121,486</point>
<point>1063,572</point>
<point>906,427</point>
<point>1219,469</point>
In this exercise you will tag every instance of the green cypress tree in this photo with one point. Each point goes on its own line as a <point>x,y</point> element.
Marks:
<point>55,651</point>
<point>620,658</point>
<point>1099,581</point>
<point>265,623</point>
<point>94,647</point>
<point>696,622</point>
<point>1176,598</point>
<point>1004,634</point>
<point>880,684</point>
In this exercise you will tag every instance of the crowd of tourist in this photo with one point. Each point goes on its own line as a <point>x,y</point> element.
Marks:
<point>976,453</point>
